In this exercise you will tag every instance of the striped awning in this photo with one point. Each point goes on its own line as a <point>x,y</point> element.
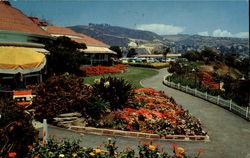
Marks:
<point>96,49</point>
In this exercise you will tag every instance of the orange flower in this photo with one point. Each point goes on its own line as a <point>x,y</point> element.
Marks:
<point>44,143</point>
<point>151,139</point>
<point>12,154</point>
<point>110,144</point>
<point>36,156</point>
<point>30,146</point>
<point>18,123</point>
<point>199,150</point>
<point>52,135</point>
<point>180,149</point>
<point>173,145</point>
<point>145,143</point>
<point>151,147</point>
<point>179,155</point>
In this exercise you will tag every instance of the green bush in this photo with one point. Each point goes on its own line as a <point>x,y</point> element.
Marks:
<point>60,94</point>
<point>16,129</point>
<point>97,107</point>
<point>114,90</point>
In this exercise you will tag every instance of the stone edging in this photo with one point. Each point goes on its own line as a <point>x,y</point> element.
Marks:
<point>111,132</point>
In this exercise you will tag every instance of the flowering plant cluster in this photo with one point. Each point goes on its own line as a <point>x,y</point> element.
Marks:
<point>72,149</point>
<point>121,66</point>
<point>207,80</point>
<point>151,111</point>
<point>98,70</point>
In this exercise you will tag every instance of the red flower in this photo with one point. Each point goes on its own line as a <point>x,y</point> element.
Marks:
<point>145,143</point>
<point>12,154</point>
<point>36,156</point>
<point>199,150</point>
<point>157,145</point>
<point>173,145</point>
<point>52,135</point>
<point>30,146</point>
<point>179,155</point>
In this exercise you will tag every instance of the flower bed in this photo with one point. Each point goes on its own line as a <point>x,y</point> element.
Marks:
<point>154,112</point>
<point>110,149</point>
<point>98,70</point>
<point>207,80</point>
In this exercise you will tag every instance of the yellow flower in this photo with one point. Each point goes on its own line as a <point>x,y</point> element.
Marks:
<point>109,138</point>
<point>106,84</point>
<point>97,150</point>
<point>151,147</point>
<point>92,154</point>
<point>61,155</point>
<point>74,154</point>
<point>180,149</point>
<point>97,81</point>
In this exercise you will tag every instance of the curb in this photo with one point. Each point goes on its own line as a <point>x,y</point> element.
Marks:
<point>111,132</point>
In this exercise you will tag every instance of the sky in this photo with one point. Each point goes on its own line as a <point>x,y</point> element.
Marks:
<point>218,18</point>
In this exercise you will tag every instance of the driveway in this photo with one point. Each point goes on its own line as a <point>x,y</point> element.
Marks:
<point>229,134</point>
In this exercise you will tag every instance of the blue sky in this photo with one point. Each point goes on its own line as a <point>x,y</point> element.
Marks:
<point>214,17</point>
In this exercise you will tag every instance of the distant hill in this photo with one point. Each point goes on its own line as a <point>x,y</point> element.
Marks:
<point>148,42</point>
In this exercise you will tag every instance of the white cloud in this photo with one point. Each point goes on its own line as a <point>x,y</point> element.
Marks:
<point>242,35</point>
<point>205,33</point>
<point>161,29</point>
<point>224,33</point>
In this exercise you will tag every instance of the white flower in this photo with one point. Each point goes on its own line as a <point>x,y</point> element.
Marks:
<point>106,84</point>
<point>61,155</point>
<point>97,81</point>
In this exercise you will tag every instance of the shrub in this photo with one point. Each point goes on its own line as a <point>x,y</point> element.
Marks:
<point>98,70</point>
<point>16,130</point>
<point>97,107</point>
<point>60,94</point>
<point>114,90</point>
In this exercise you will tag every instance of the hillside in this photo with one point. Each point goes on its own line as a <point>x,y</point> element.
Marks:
<point>147,42</point>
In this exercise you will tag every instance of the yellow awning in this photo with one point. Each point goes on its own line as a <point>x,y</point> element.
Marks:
<point>20,59</point>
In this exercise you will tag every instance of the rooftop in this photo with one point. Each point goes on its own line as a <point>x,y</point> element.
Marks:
<point>13,19</point>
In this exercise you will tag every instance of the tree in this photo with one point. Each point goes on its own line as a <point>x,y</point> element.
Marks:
<point>65,56</point>
<point>117,50</point>
<point>166,50</point>
<point>208,54</point>
<point>132,52</point>
<point>191,55</point>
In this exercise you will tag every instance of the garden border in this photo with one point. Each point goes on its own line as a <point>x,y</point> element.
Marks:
<point>112,132</point>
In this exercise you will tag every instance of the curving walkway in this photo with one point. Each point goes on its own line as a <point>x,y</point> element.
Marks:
<point>229,134</point>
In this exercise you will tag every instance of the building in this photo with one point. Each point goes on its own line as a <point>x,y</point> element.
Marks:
<point>160,57</point>
<point>16,29</point>
<point>97,51</point>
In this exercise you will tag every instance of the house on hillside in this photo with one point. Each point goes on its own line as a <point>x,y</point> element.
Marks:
<point>18,31</point>
<point>97,51</point>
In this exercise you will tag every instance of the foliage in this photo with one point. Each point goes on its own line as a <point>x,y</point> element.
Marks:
<point>149,65</point>
<point>16,130</point>
<point>114,90</point>
<point>60,94</point>
<point>97,107</point>
<point>72,149</point>
<point>65,56</point>
<point>132,52</point>
<point>118,50</point>
<point>192,55</point>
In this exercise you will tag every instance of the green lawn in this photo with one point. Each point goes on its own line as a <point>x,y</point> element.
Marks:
<point>133,74</point>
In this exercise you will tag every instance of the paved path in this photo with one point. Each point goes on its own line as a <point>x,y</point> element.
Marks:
<point>229,134</point>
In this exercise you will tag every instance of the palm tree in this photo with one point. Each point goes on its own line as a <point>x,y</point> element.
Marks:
<point>166,50</point>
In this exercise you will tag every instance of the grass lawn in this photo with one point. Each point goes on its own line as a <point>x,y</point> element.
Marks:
<point>134,75</point>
